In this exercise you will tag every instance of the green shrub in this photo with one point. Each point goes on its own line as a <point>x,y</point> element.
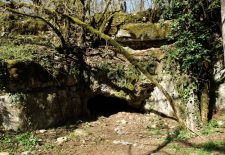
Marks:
<point>17,52</point>
<point>28,140</point>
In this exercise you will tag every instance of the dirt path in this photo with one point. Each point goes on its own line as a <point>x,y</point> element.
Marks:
<point>130,134</point>
<point>126,133</point>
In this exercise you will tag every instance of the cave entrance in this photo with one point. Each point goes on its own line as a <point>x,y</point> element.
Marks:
<point>100,105</point>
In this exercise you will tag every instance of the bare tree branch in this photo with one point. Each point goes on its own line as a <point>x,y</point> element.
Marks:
<point>57,32</point>
<point>101,20</point>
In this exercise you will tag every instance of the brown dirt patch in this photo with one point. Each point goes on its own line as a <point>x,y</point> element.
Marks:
<point>126,133</point>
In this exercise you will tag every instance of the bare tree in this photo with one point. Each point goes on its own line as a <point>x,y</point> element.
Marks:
<point>142,5</point>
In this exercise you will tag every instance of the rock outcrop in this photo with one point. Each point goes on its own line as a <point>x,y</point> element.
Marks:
<point>143,35</point>
<point>31,97</point>
<point>35,96</point>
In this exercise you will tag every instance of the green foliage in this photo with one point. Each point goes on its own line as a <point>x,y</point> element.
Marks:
<point>117,72</point>
<point>212,127</point>
<point>48,145</point>
<point>212,145</point>
<point>193,47</point>
<point>175,147</point>
<point>177,8</point>
<point>189,52</point>
<point>180,135</point>
<point>199,149</point>
<point>185,88</point>
<point>213,123</point>
<point>7,143</point>
<point>123,76</point>
<point>17,52</point>
<point>17,99</point>
<point>173,11</point>
<point>10,142</point>
<point>195,151</point>
<point>28,140</point>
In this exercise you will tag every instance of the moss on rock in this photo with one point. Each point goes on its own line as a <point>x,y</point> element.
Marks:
<point>148,31</point>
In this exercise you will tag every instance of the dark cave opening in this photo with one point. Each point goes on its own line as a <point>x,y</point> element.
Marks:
<point>100,105</point>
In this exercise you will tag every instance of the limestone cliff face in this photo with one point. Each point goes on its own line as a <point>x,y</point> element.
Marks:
<point>219,77</point>
<point>34,96</point>
<point>31,97</point>
<point>143,35</point>
<point>114,76</point>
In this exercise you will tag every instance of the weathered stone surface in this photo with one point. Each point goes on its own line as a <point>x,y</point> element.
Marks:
<point>26,153</point>
<point>40,104</point>
<point>157,101</point>
<point>148,31</point>
<point>192,109</point>
<point>123,34</point>
<point>61,140</point>
<point>143,35</point>
<point>220,100</point>
<point>30,75</point>
<point>4,153</point>
<point>115,77</point>
<point>11,116</point>
<point>219,77</point>
<point>32,98</point>
<point>33,110</point>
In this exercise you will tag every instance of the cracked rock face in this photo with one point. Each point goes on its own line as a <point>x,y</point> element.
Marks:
<point>36,100</point>
<point>31,98</point>
<point>220,100</point>
<point>219,75</point>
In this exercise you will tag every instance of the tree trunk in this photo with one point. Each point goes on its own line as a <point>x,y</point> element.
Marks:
<point>119,47</point>
<point>133,61</point>
<point>83,30</point>
<point>142,5</point>
<point>223,25</point>
<point>205,104</point>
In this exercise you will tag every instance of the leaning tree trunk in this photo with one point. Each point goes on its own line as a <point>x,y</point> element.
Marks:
<point>120,49</point>
<point>223,25</point>
<point>134,62</point>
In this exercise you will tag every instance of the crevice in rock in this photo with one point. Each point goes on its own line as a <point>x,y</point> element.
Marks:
<point>138,44</point>
<point>101,105</point>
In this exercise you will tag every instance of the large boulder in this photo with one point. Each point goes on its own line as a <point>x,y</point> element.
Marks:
<point>32,98</point>
<point>143,35</point>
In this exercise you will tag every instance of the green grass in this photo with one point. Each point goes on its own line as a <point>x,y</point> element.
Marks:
<point>11,143</point>
<point>27,140</point>
<point>8,143</point>
<point>212,127</point>
<point>212,146</point>
<point>200,149</point>
<point>180,135</point>
<point>48,146</point>
<point>175,147</point>
<point>17,52</point>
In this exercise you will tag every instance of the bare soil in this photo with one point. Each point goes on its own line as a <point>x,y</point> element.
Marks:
<point>126,133</point>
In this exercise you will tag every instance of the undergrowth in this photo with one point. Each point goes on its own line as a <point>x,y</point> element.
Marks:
<point>17,52</point>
